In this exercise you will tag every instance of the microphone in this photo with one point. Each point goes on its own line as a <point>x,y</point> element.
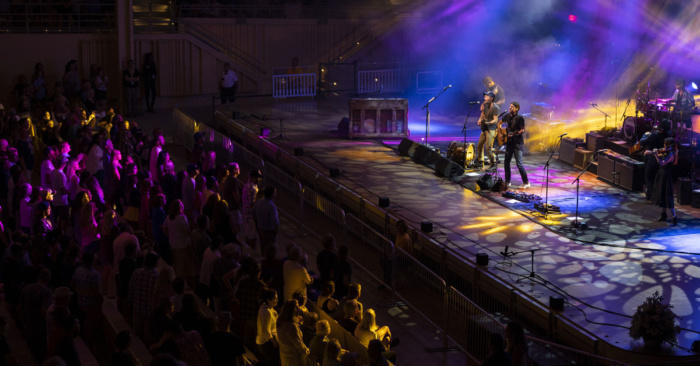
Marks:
<point>447,87</point>
<point>472,103</point>
<point>592,104</point>
<point>501,115</point>
<point>562,135</point>
<point>505,252</point>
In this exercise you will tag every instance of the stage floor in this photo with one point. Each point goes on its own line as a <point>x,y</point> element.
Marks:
<point>604,271</point>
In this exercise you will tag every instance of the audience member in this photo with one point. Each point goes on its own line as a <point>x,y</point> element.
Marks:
<point>326,301</point>
<point>497,355</point>
<point>317,345</point>
<point>122,343</point>
<point>266,218</point>
<point>516,346</point>
<point>141,288</point>
<point>266,338</point>
<point>295,275</point>
<point>293,351</point>
<point>223,346</point>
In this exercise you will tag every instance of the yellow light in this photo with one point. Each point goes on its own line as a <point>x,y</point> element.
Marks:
<point>375,80</point>
<point>474,226</point>
<point>334,83</point>
<point>494,230</point>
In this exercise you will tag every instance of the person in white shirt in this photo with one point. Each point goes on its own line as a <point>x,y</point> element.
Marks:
<point>266,339</point>
<point>295,275</point>
<point>228,85</point>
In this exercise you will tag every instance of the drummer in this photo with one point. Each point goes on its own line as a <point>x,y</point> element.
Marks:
<point>684,103</point>
<point>651,141</point>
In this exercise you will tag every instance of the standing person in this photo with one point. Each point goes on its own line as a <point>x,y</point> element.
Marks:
<point>141,289</point>
<point>34,302</point>
<point>188,188</point>
<point>228,84</point>
<point>499,95</point>
<point>487,122</point>
<point>663,184</point>
<point>130,77</point>
<point>497,355</point>
<point>101,81</point>
<point>516,346</point>
<point>655,140</point>
<point>250,195</point>
<point>295,275</point>
<point>684,103</point>
<point>293,351</point>
<point>149,73</point>
<point>87,285</point>
<point>266,338</point>
<point>177,228</point>
<point>232,195</point>
<point>515,142</point>
<point>266,218</point>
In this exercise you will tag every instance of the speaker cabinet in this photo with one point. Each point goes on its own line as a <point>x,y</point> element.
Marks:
<point>695,199</point>
<point>407,147</point>
<point>606,167</point>
<point>448,168</point>
<point>594,141</point>
<point>619,146</point>
<point>378,117</point>
<point>630,173</point>
<point>685,191</point>
<point>566,152</point>
<point>425,155</point>
<point>582,158</point>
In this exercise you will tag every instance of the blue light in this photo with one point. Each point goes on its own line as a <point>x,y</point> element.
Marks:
<point>694,86</point>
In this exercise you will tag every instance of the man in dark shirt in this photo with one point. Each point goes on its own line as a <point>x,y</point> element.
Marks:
<point>497,354</point>
<point>66,346</point>
<point>499,95</point>
<point>514,144</point>
<point>654,140</point>
<point>350,312</point>
<point>488,123</point>
<point>224,347</point>
<point>326,258</point>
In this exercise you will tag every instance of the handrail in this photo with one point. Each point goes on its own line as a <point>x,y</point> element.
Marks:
<point>223,46</point>
<point>279,11</point>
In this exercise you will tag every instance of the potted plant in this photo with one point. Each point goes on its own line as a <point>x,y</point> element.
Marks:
<point>654,322</point>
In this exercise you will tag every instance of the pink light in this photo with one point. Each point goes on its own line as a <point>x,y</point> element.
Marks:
<point>573,17</point>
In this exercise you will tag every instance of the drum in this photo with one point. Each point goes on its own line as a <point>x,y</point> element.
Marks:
<point>456,153</point>
<point>634,127</point>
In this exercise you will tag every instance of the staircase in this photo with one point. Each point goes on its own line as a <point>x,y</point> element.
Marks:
<point>153,16</point>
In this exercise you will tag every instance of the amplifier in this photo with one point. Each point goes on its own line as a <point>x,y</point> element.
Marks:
<point>695,199</point>
<point>606,167</point>
<point>377,117</point>
<point>685,191</point>
<point>594,141</point>
<point>593,168</point>
<point>630,173</point>
<point>566,152</point>
<point>619,146</point>
<point>582,157</point>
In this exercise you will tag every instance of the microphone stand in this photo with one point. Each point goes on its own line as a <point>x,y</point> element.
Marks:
<point>464,134</point>
<point>531,275</point>
<point>595,106</point>
<point>427,115</point>
<point>546,169</point>
<point>576,223</point>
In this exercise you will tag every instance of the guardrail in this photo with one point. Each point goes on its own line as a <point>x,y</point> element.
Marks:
<point>46,17</point>
<point>417,280</point>
<point>294,85</point>
<point>379,81</point>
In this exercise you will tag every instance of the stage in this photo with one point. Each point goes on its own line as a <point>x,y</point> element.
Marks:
<point>604,271</point>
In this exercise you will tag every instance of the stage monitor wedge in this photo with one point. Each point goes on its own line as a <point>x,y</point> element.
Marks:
<point>425,155</point>
<point>448,168</point>
<point>407,147</point>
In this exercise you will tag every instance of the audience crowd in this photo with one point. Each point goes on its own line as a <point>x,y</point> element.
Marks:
<point>95,210</point>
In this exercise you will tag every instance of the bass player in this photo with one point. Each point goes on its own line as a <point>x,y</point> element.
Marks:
<point>514,143</point>
<point>488,123</point>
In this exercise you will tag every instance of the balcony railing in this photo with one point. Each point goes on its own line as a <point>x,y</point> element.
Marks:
<point>43,17</point>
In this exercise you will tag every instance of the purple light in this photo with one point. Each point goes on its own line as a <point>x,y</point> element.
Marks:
<point>573,17</point>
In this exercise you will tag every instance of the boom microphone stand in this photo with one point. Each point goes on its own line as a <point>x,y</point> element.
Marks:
<point>595,106</point>
<point>427,113</point>
<point>576,223</point>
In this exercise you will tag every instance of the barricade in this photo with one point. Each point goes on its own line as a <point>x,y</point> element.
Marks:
<point>417,285</point>
<point>294,85</point>
<point>370,249</point>
<point>322,214</point>
<point>184,128</point>
<point>468,325</point>
<point>544,353</point>
<point>379,80</point>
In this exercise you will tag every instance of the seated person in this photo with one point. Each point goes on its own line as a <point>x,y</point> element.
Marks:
<point>317,346</point>
<point>354,293</point>
<point>352,312</point>
<point>326,301</point>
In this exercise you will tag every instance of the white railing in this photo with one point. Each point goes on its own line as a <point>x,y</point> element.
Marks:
<point>292,84</point>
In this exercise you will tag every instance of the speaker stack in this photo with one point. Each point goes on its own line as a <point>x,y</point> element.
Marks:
<point>620,171</point>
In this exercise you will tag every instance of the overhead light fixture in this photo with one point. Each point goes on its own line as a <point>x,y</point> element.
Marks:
<point>694,86</point>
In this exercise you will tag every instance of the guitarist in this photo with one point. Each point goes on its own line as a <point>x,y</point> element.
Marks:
<point>514,143</point>
<point>488,123</point>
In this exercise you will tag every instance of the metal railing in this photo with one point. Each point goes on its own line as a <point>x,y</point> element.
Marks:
<point>355,11</point>
<point>459,319</point>
<point>294,85</point>
<point>45,17</point>
<point>379,81</point>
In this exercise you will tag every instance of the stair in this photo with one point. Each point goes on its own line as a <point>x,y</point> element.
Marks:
<point>153,16</point>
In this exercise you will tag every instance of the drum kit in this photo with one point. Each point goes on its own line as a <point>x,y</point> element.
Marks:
<point>652,110</point>
<point>462,154</point>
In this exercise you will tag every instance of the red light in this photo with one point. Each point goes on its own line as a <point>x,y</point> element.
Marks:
<point>573,17</point>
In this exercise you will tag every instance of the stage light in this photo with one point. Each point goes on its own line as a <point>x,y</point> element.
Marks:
<point>572,17</point>
<point>694,86</point>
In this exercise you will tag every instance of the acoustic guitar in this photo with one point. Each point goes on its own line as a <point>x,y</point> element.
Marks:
<point>502,131</point>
